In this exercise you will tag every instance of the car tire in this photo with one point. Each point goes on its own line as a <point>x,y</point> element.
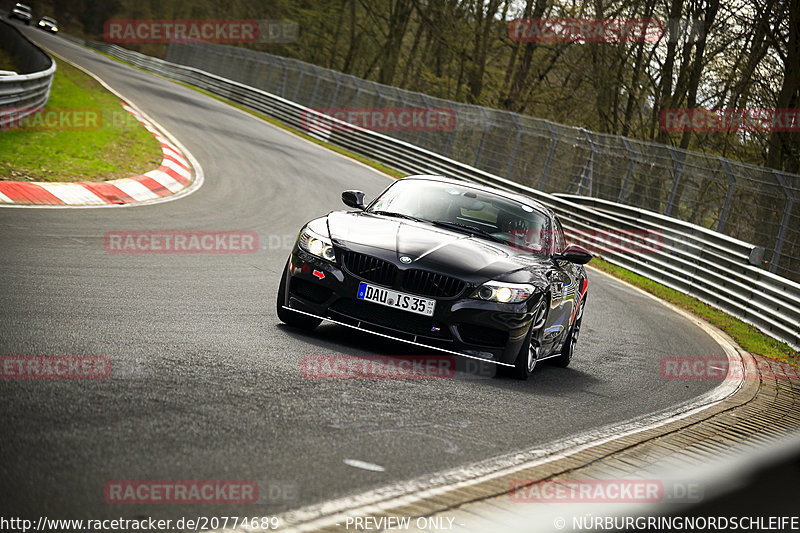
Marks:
<point>527,358</point>
<point>291,318</point>
<point>568,349</point>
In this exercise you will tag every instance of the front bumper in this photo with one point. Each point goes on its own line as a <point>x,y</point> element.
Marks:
<point>461,325</point>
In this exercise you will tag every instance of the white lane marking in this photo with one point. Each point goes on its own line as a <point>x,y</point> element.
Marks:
<point>168,145</point>
<point>364,465</point>
<point>165,179</point>
<point>134,189</point>
<point>72,193</point>
<point>199,175</point>
<point>169,151</point>
<point>177,168</point>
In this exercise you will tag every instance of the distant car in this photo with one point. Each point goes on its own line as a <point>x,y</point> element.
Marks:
<point>446,265</point>
<point>21,12</point>
<point>48,24</point>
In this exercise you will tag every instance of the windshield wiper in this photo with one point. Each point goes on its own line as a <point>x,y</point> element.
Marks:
<point>398,215</point>
<point>473,231</point>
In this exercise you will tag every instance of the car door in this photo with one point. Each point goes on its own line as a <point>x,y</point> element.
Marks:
<point>563,287</point>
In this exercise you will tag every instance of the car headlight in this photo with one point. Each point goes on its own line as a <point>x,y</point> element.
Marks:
<point>318,245</point>
<point>505,293</point>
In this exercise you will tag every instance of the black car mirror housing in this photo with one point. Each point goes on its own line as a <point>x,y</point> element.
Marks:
<point>574,254</point>
<point>353,199</point>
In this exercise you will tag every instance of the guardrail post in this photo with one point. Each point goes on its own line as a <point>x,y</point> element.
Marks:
<point>513,155</point>
<point>269,74</point>
<point>483,136</point>
<point>631,163</point>
<point>678,165</point>
<point>403,102</point>
<point>231,61</point>
<point>549,160</point>
<point>171,55</point>
<point>427,110</point>
<point>335,92</point>
<point>314,92</point>
<point>452,133</point>
<point>787,213</point>
<point>282,86</point>
<point>723,217</point>
<point>377,91</point>
<point>297,87</point>
<point>587,174</point>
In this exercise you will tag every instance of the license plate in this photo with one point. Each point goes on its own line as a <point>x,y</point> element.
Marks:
<point>398,300</point>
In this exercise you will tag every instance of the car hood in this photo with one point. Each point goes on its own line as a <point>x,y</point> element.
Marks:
<point>472,259</point>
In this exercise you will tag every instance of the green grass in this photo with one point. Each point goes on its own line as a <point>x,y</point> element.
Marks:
<point>745,335</point>
<point>120,147</point>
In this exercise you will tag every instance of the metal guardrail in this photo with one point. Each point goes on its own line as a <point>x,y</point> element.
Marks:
<point>741,200</point>
<point>24,93</point>
<point>711,266</point>
<point>697,261</point>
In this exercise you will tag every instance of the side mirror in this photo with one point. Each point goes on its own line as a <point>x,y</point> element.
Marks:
<point>353,199</point>
<point>575,254</point>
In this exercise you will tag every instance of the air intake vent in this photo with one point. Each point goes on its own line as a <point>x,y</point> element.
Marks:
<point>431,284</point>
<point>369,268</point>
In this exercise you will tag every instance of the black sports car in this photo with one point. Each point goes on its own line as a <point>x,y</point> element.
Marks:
<point>443,264</point>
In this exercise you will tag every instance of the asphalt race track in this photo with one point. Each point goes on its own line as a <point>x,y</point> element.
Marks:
<point>206,384</point>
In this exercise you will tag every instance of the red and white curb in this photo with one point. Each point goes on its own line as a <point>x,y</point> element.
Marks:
<point>173,176</point>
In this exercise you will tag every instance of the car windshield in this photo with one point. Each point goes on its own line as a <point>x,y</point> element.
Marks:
<point>23,8</point>
<point>49,20</point>
<point>468,210</point>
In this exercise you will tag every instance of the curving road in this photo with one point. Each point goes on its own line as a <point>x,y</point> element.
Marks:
<point>206,383</point>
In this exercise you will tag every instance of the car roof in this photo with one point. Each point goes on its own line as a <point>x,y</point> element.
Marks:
<point>521,198</point>
<point>49,19</point>
<point>23,6</point>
